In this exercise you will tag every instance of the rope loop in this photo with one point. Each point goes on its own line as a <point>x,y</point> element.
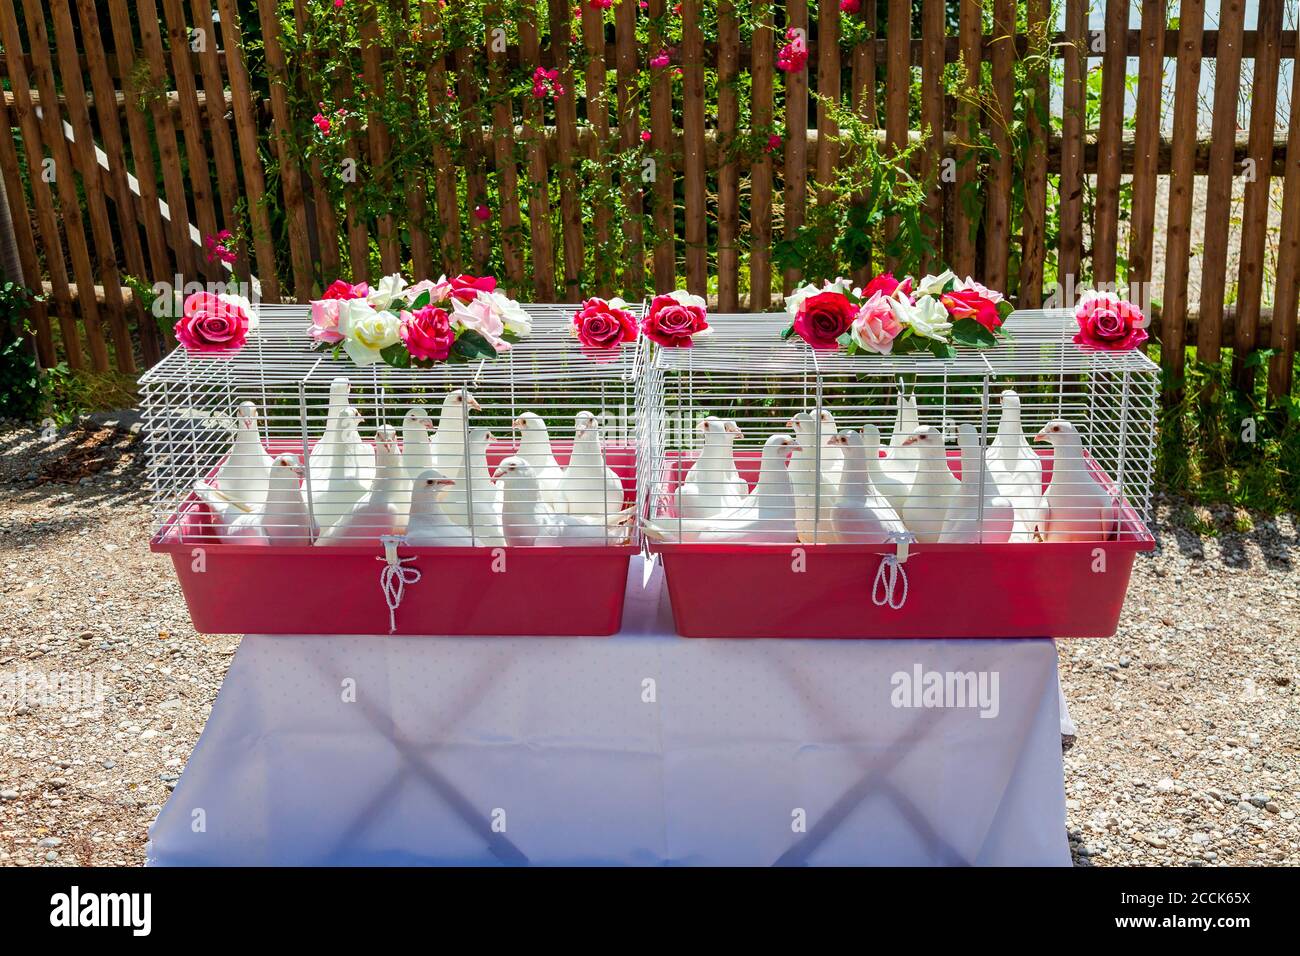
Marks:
<point>394,577</point>
<point>884,589</point>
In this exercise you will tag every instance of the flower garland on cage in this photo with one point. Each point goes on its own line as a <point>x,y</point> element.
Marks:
<point>215,324</point>
<point>461,319</point>
<point>602,326</point>
<point>892,316</point>
<point>676,319</point>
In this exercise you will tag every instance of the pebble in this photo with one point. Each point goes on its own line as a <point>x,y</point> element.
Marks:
<point>8,794</point>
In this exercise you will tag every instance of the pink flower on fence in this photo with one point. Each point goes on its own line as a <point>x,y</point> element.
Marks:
<point>794,55</point>
<point>322,123</point>
<point>773,143</point>
<point>217,249</point>
<point>600,4</point>
<point>660,59</point>
<point>482,213</point>
<point>850,6</point>
<point>546,81</point>
<point>645,136</point>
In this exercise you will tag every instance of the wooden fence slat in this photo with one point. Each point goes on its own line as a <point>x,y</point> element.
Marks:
<point>445,134</point>
<point>997,209</point>
<point>196,152</point>
<point>1182,180</point>
<point>251,163</point>
<point>697,253</point>
<point>1034,217</point>
<point>282,134</point>
<point>115,150</point>
<point>1218,200</point>
<point>828,89</point>
<point>863,77</point>
<point>760,174</point>
<point>1151,66</point>
<point>503,128</point>
<point>898,93</point>
<point>795,176</point>
<point>629,127</point>
<point>1105,233</point>
<point>1069,258</point>
<point>83,154</point>
<point>1286,296</point>
<point>184,250</point>
<point>728,167</point>
<point>327,224</point>
<point>65,180</point>
<point>475,178</point>
<point>378,140</point>
<point>27,257</point>
<point>593,33</point>
<point>661,141</point>
<point>539,204</point>
<point>1254,223</point>
<point>965,221</point>
<point>566,122</point>
<point>933,28</point>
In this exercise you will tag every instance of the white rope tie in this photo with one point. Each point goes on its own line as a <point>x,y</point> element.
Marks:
<point>394,577</point>
<point>884,590</point>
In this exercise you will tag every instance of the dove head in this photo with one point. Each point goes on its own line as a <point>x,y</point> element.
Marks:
<point>926,436</point>
<point>351,419</point>
<point>432,482</point>
<point>287,465</point>
<point>1058,432</point>
<point>584,422</point>
<point>386,439</point>
<point>462,399</point>
<point>514,468</point>
<point>339,388</point>
<point>845,438</point>
<point>530,423</point>
<point>871,435</point>
<point>417,416</point>
<point>1009,398</point>
<point>246,416</point>
<point>779,444</point>
<point>713,425</point>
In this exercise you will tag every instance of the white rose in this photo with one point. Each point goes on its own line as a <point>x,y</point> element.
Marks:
<point>685,298</point>
<point>927,318</point>
<point>513,317</point>
<point>366,332</point>
<point>933,285</point>
<point>795,299</point>
<point>238,301</point>
<point>386,291</point>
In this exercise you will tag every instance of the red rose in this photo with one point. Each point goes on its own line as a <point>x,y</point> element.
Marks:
<point>1108,322</point>
<point>466,287</point>
<point>345,290</point>
<point>674,319</point>
<point>212,323</point>
<point>823,318</point>
<point>427,333</point>
<point>972,304</point>
<point>601,326</point>
<point>886,284</point>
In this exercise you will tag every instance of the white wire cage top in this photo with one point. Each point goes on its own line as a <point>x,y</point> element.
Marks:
<point>724,400</point>
<point>196,404</point>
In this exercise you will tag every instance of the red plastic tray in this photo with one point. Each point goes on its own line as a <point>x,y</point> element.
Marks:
<point>257,589</point>
<point>953,590</point>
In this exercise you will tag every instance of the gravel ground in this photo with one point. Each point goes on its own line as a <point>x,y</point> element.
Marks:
<point>1187,751</point>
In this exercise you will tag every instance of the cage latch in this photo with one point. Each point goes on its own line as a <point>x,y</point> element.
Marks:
<point>885,589</point>
<point>394,577</point>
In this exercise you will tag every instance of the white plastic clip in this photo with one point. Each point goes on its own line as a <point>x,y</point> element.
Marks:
<point>394,577</point>
<point>884,590</point>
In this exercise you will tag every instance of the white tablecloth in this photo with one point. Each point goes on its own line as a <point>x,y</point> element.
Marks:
<point>643,748</point>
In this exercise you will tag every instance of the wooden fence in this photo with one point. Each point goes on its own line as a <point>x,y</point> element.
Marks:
<point>133,132</point>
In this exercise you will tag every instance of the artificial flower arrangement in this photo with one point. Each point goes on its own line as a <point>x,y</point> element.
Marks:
<point>461,319</point>
<point>602,326</point>
<point>215,322</point>
<point>676,319</point>
<point>891,316</point>
<point>1108,322</point>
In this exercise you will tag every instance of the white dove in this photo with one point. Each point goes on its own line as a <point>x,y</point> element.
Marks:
<point>449,438</point>
<point>766,516</point>
<point>1016,469</point>
<point>281,520</point>
<point>477,496</point>
<point>591,488</point>
<point>861,514</point>
<point>966,523</point>
<point>713,484</point>
<point>340,449</point>
<point>814,490</point>
<point>933,489</point>
<point>429,526</point>
<point>528,521</point>
<point>337,486</point>
<point>894,491</point>
<point>417,448</point>
<point>535,448</point>
<point>901,462</point>
<point>243,475</point>
<point>382,510</point>
<point>1076,506</point>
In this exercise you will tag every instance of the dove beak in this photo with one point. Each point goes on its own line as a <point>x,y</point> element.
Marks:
<point>443,483</point>
<point>790,423</point>
<point>1042,436</point>
<point>702,426</point>
<point>518,423</point>
<point>298,470</point>
<point>499,473</point>
<point>426,422</point>
<point>472,402</point>
<point>911,439</point>
<point>734,429</point>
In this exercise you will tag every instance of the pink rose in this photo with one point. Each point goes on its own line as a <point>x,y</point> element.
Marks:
<point>972,304</point>
<point>823,318</point>
<point>478,315</point>
<point>322,123</point>
<point>339,289</point>
<point>325,320</point>
<point>466,287</point>
<point>674,319</point>
<point>886,284</point>
<point>602,327</point>
<point>210,323</point>
<point>427,333</point>
<point>1108,322</point>
<point>876,326</point>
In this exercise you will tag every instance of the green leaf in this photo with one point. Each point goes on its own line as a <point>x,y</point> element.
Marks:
<point>788,332</point>
<point>396,355</point>
<point>1005,308</point>
<point>421,300</point>
<point>942,350</point>
<point>970,333</point>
